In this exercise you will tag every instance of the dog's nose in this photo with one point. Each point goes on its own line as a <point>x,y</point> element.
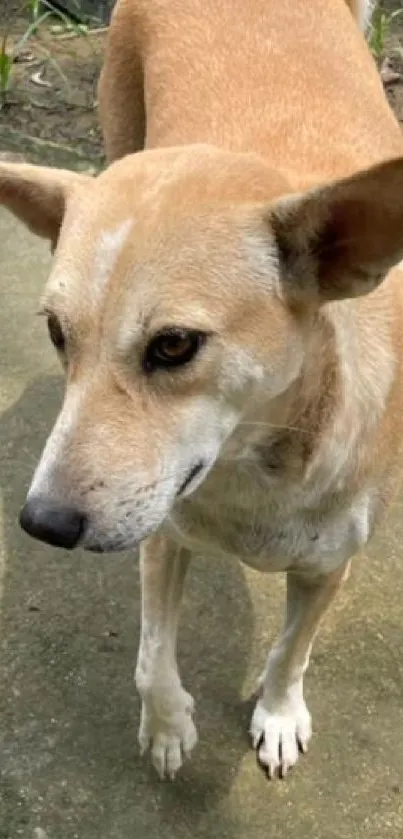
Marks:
<point>59,526</point>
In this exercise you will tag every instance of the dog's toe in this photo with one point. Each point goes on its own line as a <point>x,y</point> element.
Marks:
<point>277,737</point>
<point>171,741</point>
<point>166,755</point>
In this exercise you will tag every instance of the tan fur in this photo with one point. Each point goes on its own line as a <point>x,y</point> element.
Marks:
<point>266,212</point>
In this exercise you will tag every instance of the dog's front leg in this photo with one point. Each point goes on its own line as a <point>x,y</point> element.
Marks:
<point>281,723</point>
<point>166,717</point>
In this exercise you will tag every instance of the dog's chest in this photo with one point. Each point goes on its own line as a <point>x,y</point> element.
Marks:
<point>264,520</point>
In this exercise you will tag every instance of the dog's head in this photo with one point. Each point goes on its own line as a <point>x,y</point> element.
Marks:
<point>182,288</point>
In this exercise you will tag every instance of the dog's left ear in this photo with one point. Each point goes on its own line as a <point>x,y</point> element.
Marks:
<point>340,240</point>
<point>38,195</point>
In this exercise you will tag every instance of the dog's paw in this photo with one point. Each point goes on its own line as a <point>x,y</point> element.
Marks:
<point>278,736</point>
<point>170,737</point>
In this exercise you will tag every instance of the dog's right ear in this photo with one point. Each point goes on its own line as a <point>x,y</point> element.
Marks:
<point>38,195</point>
<point>339,240</point>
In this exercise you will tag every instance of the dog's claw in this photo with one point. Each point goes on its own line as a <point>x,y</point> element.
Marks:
<point>255,739</point>
<point>170,739</point>
<point>276,737</point>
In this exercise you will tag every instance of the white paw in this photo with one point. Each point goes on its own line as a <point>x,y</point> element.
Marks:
<point>278,735</point>
<point>168,730</point>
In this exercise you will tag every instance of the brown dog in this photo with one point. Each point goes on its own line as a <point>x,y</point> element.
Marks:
<point>229,323</point>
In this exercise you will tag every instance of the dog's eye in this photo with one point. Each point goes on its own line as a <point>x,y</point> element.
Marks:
<point>56,333</point>
<point>173,348</point>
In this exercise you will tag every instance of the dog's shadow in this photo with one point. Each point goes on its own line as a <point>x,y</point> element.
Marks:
<point>70,709</point>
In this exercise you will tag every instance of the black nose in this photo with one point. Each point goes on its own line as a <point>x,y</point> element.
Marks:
<point>60,526</point>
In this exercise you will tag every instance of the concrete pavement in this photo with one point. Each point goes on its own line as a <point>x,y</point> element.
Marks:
<point>69,764</point>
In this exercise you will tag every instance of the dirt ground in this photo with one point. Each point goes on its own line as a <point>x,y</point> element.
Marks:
<point>60,105</point>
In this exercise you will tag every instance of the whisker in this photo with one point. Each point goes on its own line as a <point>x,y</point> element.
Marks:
<point>275,426</point>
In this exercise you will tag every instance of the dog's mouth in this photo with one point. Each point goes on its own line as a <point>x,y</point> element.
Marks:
<point>194,472</point>
<point>120,544</point>
<point>108,547</point>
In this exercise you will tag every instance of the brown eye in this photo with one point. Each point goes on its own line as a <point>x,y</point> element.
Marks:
<point>56,333</point>
<point>173,348</point>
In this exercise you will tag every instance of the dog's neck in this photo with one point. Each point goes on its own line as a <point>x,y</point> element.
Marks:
<point>333,398</point>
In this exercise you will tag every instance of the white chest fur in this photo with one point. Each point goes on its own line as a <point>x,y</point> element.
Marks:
<point>265,521</point>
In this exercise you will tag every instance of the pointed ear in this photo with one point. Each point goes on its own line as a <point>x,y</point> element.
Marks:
<point>340,240</point>
<point>38,195</point>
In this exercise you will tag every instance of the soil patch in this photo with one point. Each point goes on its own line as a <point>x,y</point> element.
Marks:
<point>53,87</point>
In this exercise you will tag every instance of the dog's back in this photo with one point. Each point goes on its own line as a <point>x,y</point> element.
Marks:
<point>306,97</point>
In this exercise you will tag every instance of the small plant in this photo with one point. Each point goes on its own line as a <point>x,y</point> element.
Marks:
<point>379,31</point>
<point>38,11</point>
<point>6,63</point>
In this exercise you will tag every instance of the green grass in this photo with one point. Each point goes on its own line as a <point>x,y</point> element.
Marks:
<point>37,12</point>
<point>379,31</point>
